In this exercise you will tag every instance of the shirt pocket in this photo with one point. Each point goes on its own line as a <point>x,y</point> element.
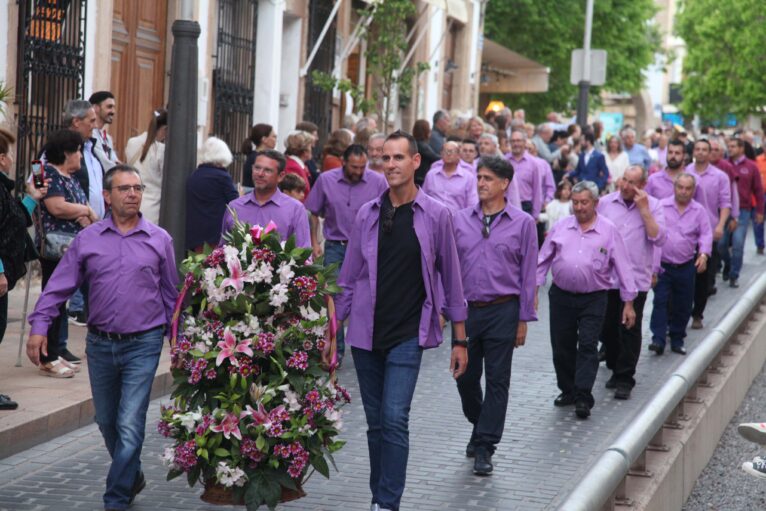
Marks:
<point>600,259</point>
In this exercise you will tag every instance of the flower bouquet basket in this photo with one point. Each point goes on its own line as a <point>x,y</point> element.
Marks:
<point>256,405</point>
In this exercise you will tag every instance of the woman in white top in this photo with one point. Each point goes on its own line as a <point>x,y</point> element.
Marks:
<point>560,207</point>
<point>616,161</point>
<point>146,152</point>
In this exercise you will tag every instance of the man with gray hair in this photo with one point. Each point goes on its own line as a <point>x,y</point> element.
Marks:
<point>375,152</point>
<point>541,140</point>
<point>585,252</point>
<point>441,122</point>
<point>689,233</point>
<point>488,147</point>
<point>637,153</point>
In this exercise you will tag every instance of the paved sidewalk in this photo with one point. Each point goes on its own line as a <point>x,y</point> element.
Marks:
<point>544,452</point>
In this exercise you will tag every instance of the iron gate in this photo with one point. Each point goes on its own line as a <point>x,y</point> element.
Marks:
<point>50,71</point>
<point>234,76</point>
<point>318,102</point>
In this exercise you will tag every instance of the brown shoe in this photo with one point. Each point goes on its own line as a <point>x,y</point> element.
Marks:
<point>697,324</point>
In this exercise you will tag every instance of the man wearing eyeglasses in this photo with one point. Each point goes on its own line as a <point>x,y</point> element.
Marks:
<point>401,270</point>
<point>451,181</point>
<point>130,269</point>
<point>497,246</point>
<point>583,251</point>
<point>267,203</point>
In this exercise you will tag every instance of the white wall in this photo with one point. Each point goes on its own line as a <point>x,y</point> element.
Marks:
<point>289,83</point>
<point>90,48</point>
<point>433,92</point>
<point>4,36</point>
<point>268,63</point>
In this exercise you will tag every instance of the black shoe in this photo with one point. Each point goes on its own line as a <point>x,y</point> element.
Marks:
<point>482,465</point>
<point>582,409</point>
<point>77,318</point>
<point>6,403</point>
<point>733,283</point>
<point>680,350</point>
<point>713,291</point>
<point>725,275</point>
<point>622,392</point>
<point>470,450</point>
<point>611,383</point>
<point>70,357</point>
<point>657,348</point>
<point>138,485</point>
<point>564,400</point>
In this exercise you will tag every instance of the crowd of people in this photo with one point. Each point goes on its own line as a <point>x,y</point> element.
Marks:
<point>461,220</point>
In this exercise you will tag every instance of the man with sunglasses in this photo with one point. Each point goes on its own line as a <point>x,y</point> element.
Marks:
<point>130,269</point>
<point>583,251</point>
<point>401,270</point>
<point>497,246</point>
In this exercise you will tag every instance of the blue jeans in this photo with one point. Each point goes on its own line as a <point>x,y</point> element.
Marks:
<point>335,252</point>
<point>758,233</point>
<point>387,383</point>
<point>674,286</point>
<point>733,260</point>
<point>121,376</point>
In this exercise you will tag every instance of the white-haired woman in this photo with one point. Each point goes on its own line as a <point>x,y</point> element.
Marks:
<point>208,190</point>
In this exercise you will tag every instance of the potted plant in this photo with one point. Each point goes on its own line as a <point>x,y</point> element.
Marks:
<point>256,405</point>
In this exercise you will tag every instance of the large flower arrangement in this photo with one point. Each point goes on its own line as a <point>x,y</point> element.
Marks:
<point>256,404</point>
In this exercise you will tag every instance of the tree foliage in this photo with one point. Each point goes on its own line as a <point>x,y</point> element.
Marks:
<point>725,61</point>
<point>548,30</point>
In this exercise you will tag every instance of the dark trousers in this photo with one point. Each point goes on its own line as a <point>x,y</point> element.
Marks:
<point>704,284</point>
<point>576,320</point>
<point>623,345</point>
<point>492,333</point>
<point>54,330</point>
<point>676,285</point>
<point>3,315</point>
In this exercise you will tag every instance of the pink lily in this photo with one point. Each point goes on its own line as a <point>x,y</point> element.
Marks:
<point>230,348</point>
<point>236,277</point>
<point>256,232</point>
<point>229,426</point>
<point>270,227</point>
<point>259,416</point>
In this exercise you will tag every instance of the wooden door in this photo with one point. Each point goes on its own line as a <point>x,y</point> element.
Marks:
<point>138,66</point>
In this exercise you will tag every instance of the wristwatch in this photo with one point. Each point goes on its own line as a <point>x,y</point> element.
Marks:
<point>460,342</point>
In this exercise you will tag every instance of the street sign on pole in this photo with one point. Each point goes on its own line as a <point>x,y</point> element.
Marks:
<point>597,67</point>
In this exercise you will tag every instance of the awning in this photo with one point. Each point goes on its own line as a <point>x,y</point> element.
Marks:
<point>457,10</point>
<point>505,71</point>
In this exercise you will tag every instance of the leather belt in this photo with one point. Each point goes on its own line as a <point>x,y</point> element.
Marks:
<point>122,337</point>
<point>496,301</point>
<point>339,242</point>
<point>674,265</point>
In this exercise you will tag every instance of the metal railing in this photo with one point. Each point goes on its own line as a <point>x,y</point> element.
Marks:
<point>627,455</point>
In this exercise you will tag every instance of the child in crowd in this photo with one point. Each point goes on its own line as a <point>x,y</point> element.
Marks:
<point>561,205</point>
<point>294,186</point>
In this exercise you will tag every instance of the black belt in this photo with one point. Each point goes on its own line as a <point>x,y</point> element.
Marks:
<point>122,337</point>
<point>496,301</point>
<point>339,242</point>
<point>572,293</point>
<point>676,266</point>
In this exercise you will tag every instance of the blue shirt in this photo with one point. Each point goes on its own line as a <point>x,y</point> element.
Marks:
<point>638,155</point>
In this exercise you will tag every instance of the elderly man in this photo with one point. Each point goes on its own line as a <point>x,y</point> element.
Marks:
<point>583,251</point>
<point>441,122</point>
<point>105,109</point>
<point>689,233</point>
<point>129,266</point>
<point>638,217</point>
<point>337,196</point>
<point>375,152</point>
<point>637,153</point>
<point>715,187</point>
<point>267,203</point>
<point>451,181</point>
<point>541,140</point>
<point>751,208</point>
<point>497,246</point>
<point>401,259</point>
<point>527,174</point>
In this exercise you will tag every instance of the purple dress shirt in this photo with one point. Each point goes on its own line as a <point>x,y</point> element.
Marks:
<point>132,279</point>
<point>503,264</point>
<point>526,172</point>
<point>512,193</point>
<point>716,188</point>
<point>627,219</point>
<point>583,262</point>
<point>439,260</point>
<point>546,174</point>
<point>457,191</point>
<point>337,200</point>
<point>686,231</point>
<point>660,186</point>
<point>286,212</point>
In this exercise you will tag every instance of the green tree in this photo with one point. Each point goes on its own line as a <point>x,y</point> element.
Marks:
<point>725,62</point>
<point>548,30</point>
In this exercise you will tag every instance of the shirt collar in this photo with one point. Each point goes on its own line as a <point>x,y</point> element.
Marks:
<point>277,198</point>
<point>108,224</point>
<point>300,162</point>
<point>507,210</point>
<point>342,175</point>
<point>523,156</point>
<point>740,159</point>
<point>595,227</point>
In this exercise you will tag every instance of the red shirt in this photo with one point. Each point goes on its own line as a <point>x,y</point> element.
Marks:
<point>749,184</point>
<point>293,167</point>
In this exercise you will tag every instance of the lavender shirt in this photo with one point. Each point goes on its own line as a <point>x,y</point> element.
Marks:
<point>132,279</point>
<point>583,262</point>
<point>660,186</point>
<point>286,212</point>
<point>627,219</point>
<point>457,191</point>
<point>338,200</point>
<point>716,188</point>
<point>686,231</point>
<point>503,264</point>
<point>526,172</point>
<point>546,174</point>
<point>439,260</point>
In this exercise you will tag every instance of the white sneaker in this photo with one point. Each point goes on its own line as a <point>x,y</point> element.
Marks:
<point>753,431</point>
<point>756,468</point>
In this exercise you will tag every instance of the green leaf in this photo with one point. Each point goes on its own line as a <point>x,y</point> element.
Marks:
<point>173,474</point>
<point>222,453</point>
<point>260,443</point>
<point>320,464</point>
